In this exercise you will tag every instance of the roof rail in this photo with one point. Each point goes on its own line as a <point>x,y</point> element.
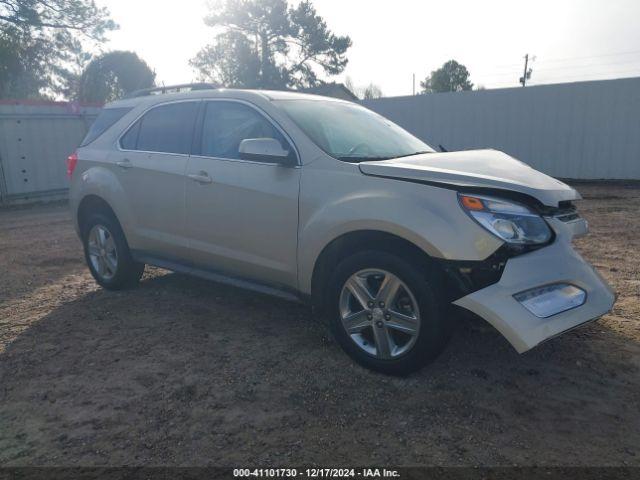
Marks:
<point>183,87</point>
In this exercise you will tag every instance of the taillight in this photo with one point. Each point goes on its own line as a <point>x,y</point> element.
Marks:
<point>72,161</point>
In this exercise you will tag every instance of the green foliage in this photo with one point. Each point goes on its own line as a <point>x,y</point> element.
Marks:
<point>41,41</point>
<point>370,92</point>
<point>112,75</point>
<point>23,71</point>
<point>267,44</point>
<point>66,15</point>
<point>231,61</point>
<point>451,77</point>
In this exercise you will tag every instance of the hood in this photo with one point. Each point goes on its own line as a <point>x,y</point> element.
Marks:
<point>474,168</point>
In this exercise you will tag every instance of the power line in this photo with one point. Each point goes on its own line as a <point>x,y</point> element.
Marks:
<point>631,52</point>
<point>569,79</point>
<point>498,79</point>
<point>588,66</point>
<point>565,59</point>
<point>598,70</point>
<point>607,65</point>
<point>585,75</point>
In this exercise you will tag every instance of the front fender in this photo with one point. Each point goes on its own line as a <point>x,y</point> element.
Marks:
<point>426,216</point>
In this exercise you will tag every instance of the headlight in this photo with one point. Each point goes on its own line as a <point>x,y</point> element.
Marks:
<point>512,222</point>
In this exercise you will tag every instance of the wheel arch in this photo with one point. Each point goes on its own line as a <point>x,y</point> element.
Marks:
<point>92,203</point>
<point>362,240</point>
<point>97,186</point>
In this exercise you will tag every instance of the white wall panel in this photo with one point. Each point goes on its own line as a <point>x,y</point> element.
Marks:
<point>35,141</point>
<point>586,130</point>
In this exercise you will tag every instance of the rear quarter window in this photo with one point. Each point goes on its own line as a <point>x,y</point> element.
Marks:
<point>130,139</point>
<point>106,119</point>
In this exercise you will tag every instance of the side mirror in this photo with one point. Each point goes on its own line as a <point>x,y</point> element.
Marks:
<point>264,150</point>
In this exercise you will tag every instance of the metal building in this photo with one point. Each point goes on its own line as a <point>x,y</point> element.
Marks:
<point>35,140</point>
<point>586,130</point>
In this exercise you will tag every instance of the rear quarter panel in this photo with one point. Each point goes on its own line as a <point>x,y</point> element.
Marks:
<point>94,175</point>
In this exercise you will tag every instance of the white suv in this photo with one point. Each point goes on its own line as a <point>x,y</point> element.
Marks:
<point>324,201</point>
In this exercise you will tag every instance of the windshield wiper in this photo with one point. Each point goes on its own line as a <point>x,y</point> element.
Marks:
<point>414,153</point>
<point>357,159</point>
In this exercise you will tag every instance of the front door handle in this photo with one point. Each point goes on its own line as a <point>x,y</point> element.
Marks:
<point>125,163</point>
<point>200,177</point>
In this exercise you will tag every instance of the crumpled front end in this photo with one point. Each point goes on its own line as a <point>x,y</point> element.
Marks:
<point>543,293</point>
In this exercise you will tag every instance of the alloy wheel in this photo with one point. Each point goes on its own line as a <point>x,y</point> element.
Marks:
<point>379,313</point>
<point>102,252</point>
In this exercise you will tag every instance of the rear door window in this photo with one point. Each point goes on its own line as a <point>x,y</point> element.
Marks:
<point>167,129</point>
<point>107,117</point>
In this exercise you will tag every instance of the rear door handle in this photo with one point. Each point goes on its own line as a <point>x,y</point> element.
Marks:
<point>125,163</point>
<point>200,177</point>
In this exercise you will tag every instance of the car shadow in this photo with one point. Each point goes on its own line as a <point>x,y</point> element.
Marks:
<point>184,371</point>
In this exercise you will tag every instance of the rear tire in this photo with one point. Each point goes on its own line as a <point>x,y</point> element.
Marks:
<point>107,253</point>
<point>394,333</point>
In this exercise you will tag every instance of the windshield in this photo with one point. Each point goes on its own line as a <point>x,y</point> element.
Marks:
<point>350,132</point>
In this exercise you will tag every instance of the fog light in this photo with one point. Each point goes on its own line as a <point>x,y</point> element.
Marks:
<point>550,300</point>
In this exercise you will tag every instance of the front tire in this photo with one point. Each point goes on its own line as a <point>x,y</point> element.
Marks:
<point>386,313</point>
<point>107,253</point>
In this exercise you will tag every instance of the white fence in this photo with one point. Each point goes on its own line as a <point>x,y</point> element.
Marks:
<point>587,130</point>
<point>35,140</point>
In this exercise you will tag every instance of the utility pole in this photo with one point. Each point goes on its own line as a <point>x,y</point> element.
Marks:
<point>414,84</point>
<point>526,75</point>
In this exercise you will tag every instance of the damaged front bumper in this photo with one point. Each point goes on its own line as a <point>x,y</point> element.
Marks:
<point>522,305</point>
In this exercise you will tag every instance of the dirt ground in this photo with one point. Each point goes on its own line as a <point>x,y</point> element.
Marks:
<point>182,371</point>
